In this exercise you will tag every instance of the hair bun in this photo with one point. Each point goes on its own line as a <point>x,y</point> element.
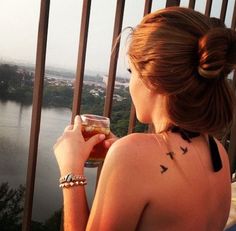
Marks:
<point>217,53</point>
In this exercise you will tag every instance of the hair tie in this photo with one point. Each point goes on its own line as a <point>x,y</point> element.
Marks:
<point>210,74</point>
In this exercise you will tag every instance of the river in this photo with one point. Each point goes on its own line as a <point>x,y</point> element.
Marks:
<point>15,122</point>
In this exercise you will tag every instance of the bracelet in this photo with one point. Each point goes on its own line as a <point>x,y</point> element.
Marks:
<point>71,180</point>
<point>71,184</point>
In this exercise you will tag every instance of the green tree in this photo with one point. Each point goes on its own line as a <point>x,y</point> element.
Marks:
<point>7,76</point>
<point>54,222</point>
<point>11,207</point>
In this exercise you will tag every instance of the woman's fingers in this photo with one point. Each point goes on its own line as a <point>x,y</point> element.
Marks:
<point>111,139</point>
<point>77,122</point>
<point>57,142</point>
<point>78,126</point>
<point>96,139</point>
<point>107,143</point>
<point>68,128</point>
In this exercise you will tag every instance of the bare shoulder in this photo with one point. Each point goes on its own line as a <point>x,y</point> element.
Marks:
<point>129,148</point>
<point>135,156</point>
<point>131,139</point>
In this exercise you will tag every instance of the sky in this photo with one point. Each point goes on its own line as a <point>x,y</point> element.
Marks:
<point>19,27</point>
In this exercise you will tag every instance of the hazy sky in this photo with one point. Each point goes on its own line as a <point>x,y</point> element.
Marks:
<point>19,26</point>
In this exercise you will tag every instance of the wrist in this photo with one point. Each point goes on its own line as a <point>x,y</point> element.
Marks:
<point>78,170</point>
<point>71,180</point>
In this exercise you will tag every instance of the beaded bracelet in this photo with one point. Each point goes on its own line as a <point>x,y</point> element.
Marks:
<point>71,180</point>
<point>71,184</point>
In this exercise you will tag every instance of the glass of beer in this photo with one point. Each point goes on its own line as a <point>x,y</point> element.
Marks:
<point>92,125</point>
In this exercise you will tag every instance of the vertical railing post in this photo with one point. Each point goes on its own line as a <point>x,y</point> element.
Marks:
<point>81,58</point>
<point>223,10</point>
<point>36,112</point>
<point>233,23</point>
<point>132,117</point>
<point>232,144</point>
<point>232,149</point>
<point>114,57</point>
<point>192,4</point>
<point>113,64</point>
<point>208,8</point>
<point>172,3</point>
<point>147,7</point>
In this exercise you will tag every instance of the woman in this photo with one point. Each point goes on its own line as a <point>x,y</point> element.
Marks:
<point>177,178</point>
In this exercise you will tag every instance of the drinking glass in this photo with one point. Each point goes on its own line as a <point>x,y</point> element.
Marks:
<point>92,125</point>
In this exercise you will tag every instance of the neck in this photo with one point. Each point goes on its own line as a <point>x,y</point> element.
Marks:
<point>161,125</point>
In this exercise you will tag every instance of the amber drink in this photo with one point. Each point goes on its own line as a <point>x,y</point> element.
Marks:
<point>92,125</point>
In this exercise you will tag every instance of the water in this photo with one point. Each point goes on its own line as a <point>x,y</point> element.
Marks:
<point>15,122</point>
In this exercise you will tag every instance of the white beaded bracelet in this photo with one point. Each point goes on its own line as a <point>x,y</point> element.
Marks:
<point>71,180</point>
<point>71,184</point>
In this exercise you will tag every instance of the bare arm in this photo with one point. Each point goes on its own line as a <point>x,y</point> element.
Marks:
<point>71,151</point>
<point>119,199</point>
<point>76,210</point>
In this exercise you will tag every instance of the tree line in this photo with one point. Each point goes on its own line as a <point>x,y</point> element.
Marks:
<point>17,84</point>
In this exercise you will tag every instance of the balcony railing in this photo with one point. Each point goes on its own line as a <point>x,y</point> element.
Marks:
<point>39,81</point>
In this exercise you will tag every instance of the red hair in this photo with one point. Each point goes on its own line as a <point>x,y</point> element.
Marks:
<point>187,56</point>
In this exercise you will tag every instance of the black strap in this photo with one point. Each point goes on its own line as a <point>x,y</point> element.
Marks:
<point>215,155</point>
<point>188,135</point>
<point>185,134</point>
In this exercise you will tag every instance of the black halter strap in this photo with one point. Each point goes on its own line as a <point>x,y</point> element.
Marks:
<point>188,135</point>
<point>185,134</point>
<point>215,155</point>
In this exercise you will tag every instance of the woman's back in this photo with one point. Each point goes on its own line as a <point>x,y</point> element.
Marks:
<point>185,193</point>
<point>171,180</point>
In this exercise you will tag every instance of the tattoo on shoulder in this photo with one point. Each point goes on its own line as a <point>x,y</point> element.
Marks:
<point>171,155</point>
<point>184,150</point>
<point>163,168</point>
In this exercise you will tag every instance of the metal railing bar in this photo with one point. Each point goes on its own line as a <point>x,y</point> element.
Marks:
<point>77,98</point>
<point>192,4</point>
<point>223,10</point>
<point>233,22</point>
<point>132,117</point>
<point>36,112</point>
<point>172,3</point>
<point>147,7</point>
<point>208,8</point>
<point>232,145</point>
<point>114,57</point>
<point>232,149</point>
<point>113,66</point>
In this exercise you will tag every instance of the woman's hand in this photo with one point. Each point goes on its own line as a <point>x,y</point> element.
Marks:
<point>110,140</point>
<point>71,150</point>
